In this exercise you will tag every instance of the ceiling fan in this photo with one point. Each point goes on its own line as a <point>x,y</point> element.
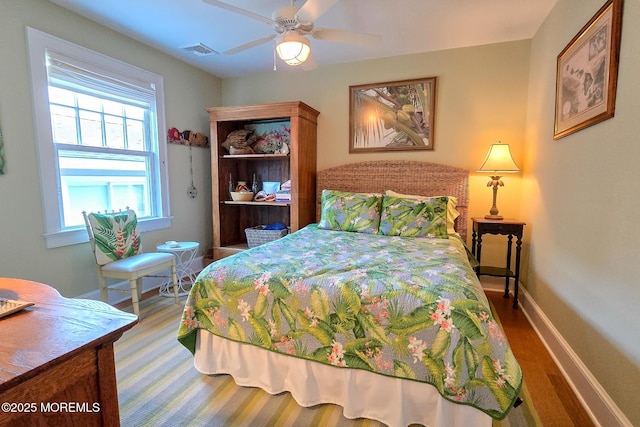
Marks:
<point>292,24</point>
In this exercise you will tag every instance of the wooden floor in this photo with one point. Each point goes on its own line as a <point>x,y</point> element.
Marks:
<point>552,397</point>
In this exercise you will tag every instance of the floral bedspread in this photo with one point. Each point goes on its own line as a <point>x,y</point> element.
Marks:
<point>398,306</point>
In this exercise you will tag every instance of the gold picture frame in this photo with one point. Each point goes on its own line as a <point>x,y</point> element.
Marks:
<point>392,116</point>
<point>587,73</point>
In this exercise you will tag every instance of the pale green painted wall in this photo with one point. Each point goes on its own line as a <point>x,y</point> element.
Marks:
<point>188,92</point>
<point>481,98</point>
<point>580,196</point>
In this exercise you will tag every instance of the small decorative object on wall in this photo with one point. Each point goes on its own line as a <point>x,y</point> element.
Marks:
<point>192,191</point>
<point>587,72</point>
<point>191,139</point>
<point>392,116</point>
<point>187,137</point>
<point>1,154</point>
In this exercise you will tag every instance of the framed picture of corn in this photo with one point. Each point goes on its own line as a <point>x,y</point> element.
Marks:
<point>392,116</point>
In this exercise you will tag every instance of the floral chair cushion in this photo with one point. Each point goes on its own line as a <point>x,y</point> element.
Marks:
<point>346,211</point>
<point>414,217</point>
<point>116,236</point>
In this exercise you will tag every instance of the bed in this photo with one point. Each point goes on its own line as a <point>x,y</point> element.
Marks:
<point>386,319</point>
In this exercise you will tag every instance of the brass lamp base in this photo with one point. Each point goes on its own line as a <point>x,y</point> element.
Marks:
<point>493,212</point>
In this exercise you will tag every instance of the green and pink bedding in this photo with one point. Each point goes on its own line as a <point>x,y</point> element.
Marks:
<point>404,307</point>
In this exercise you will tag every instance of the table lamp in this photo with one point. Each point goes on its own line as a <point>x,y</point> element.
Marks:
<point>497,162</point>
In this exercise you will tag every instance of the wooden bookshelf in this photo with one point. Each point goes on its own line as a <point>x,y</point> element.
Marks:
<point>230,218</point>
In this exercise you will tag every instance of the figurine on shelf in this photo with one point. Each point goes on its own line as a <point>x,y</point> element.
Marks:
<point>262,196</point>
<point>242,186</point>
<point>283,148</point>
<point>254,185</point>
<point>239,142</point>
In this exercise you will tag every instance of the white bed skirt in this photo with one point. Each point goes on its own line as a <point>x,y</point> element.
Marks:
<point>361,394</point>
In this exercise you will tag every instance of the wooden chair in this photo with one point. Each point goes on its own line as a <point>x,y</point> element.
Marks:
<point>116,244</point>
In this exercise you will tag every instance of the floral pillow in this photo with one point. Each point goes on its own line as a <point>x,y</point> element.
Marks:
<point>452,212</point>
<point>414,217</point>
<point>346,211</point>
<point>116,235</point>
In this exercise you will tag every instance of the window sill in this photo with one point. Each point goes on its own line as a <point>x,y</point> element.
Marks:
<point>79,235</point>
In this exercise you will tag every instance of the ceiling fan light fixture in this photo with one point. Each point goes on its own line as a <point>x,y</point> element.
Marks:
<point>293,48</point>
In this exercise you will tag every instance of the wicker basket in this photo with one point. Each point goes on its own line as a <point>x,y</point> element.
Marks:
<point>257,236</point>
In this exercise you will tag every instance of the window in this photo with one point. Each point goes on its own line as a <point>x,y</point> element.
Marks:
<point>100,138</point>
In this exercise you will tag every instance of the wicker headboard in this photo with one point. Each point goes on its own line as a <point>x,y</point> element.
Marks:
<point>402,176</point>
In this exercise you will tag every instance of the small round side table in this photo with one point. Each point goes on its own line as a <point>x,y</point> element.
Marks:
<point>185,253</point>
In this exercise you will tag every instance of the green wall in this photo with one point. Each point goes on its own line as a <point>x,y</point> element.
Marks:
<point>188,92</point>
<point>580,196</point>
<point>481,98</point>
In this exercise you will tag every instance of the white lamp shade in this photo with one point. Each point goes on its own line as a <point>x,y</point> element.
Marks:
<point>499,160</point>
<point>293,48</point>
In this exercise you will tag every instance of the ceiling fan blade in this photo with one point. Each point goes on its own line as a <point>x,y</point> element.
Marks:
<point>343,36</point>
<point>249,45</point>
<point>241,11</point>
<point>313,9</point>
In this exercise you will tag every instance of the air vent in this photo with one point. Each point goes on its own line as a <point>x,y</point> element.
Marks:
<point>200,50</point>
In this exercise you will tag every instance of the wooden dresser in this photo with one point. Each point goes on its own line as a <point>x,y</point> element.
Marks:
<point>56,359</point>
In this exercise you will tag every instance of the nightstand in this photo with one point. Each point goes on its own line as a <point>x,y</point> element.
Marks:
<point>505,227</point>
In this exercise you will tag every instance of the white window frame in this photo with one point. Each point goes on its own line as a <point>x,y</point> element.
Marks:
<point>39,43</point>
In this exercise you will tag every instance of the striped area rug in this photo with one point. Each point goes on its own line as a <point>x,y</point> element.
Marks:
<point>158,386</point>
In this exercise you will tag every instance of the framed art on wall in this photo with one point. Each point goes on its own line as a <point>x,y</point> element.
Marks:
<point>392,116</point>
<point>587,73</point>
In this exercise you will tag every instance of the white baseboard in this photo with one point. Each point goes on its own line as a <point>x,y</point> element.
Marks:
<point>148,284</point>
<point>598,404</point>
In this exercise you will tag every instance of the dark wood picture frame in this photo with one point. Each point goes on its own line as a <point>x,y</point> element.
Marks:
<point>587,72</point>
<point>392,116</point>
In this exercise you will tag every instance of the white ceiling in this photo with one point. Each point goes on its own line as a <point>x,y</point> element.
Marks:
<point>406,27</point>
